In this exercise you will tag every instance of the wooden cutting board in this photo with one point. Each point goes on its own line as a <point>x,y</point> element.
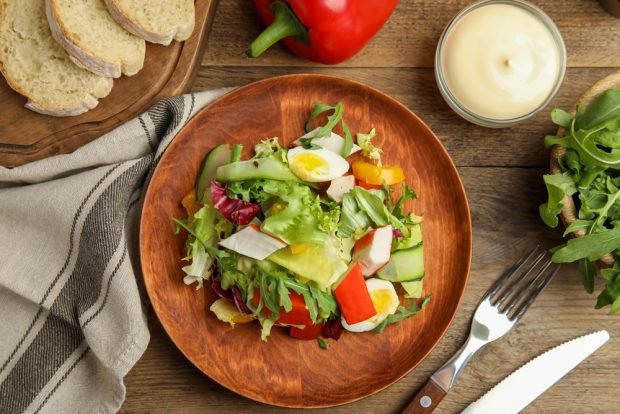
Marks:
<point>27,136</point>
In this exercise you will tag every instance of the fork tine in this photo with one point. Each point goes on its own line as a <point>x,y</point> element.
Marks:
<point>517,295</point>
<point>507,294</point>
<point>509,273</point>
<point>525,303</point>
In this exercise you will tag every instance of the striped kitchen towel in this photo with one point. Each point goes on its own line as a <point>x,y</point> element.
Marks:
<point>73,313</point>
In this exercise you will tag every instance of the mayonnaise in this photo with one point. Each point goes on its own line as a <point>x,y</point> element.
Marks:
<point>500,61</point>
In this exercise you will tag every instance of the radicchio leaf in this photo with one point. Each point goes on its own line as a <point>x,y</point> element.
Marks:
<point>234,210</point>
<point>221,292</point>
<point>332,329</point>
<point>238,299</point>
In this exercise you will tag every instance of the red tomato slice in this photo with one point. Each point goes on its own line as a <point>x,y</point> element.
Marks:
<point>367,186</point>
<point>307,333</point>
<point>298,315</point>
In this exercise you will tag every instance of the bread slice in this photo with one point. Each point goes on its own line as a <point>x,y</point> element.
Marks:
<point>92,38</point>
<point>37,67</point>
<point>158,21</point>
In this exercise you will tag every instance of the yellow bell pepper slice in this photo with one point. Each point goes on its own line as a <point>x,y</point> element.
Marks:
<point>373,174</point>
<point>190,203</point>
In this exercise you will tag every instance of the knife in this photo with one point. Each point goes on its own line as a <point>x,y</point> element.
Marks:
<point>524,385</point>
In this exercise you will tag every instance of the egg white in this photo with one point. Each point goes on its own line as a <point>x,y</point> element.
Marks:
<point>316,165</point>
<point>380,290</point>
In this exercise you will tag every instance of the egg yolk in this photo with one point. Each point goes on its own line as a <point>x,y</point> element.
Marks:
<point>382,299</point>
<point>308,163</point>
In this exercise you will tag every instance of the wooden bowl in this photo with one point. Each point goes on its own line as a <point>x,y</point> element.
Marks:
<point>569,212</point>
<point>284,371</point>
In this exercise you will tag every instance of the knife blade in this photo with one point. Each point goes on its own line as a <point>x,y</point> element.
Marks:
<point>524,385</point>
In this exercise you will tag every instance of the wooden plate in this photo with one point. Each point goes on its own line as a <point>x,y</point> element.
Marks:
<point>285,371</point>
<point>168,70</point>
<point>569,212</point>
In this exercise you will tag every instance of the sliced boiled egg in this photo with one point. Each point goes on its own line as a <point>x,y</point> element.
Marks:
<point>332,142</point>
<point>316,165</point>
<point>385,300</point>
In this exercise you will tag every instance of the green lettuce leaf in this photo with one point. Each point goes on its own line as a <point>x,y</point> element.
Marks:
<point>270,148</point>
<point>206,228</point>
<point>369,150</point>
<point>376,210</point>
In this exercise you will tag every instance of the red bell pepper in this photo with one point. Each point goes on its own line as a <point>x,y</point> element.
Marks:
<point>353,297</point>
<point>324,31</point>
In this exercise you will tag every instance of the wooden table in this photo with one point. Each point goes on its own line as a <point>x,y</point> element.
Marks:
<point>501,170</point>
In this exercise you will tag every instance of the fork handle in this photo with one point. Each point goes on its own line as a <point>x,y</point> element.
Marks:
<point>426,400</point>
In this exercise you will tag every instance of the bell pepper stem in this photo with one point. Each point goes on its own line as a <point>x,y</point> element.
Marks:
<point>285,24</point>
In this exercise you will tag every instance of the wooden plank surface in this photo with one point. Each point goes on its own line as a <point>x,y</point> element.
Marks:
<point>410,36</point>
<point>501,170</point>
<point>168,70</point>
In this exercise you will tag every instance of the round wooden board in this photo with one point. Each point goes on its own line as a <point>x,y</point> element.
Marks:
<point>569,212</point>
<point>27,136</point>
<point>284,371</point>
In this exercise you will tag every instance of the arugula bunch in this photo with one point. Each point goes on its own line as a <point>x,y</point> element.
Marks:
<point>590,174</point>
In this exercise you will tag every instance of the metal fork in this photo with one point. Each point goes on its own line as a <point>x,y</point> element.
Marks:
<point>500,309</point>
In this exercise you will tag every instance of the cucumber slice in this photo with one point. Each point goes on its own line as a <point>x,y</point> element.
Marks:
<point>269,168</point>
<point>416,234</point>
<point>404,265</point>
<point>219,155</point>
<point>414,289</point>
<point>414,239</point>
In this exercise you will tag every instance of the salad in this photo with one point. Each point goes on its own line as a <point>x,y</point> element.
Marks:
<point>314,238</point>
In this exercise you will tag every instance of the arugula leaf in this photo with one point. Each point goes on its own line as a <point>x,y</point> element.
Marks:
<point>402,313</point>
<point>306,143</point>
<point>275,284</point>
<point>348,140</point>
<point>587,269</point>
<point>558,186</point>
<point>325,302</point>
<point>561,117</point>
<point>323,343</point>
<point>577,225</point>
<point>283,293</point>
<point>611,294</point>
<point>604,107</point>
<point>332,120</point>
<point>406,194</point>
<point>591,246</point>
<point>592,162</point>
<point>267,295</point>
